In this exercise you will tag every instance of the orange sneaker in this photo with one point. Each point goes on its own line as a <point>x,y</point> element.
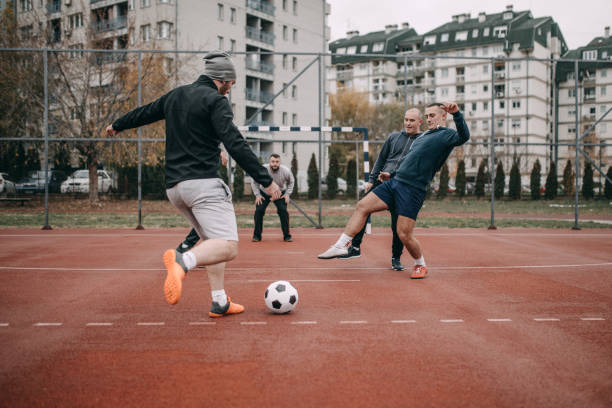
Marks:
<point>228,309</point>
<point>174,280</point>
<point>419,272</point>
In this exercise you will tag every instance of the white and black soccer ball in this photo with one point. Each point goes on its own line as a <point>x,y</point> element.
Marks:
<point>281,297</point>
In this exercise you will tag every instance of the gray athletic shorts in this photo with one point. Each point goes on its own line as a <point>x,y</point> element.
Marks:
<point>207,205</point>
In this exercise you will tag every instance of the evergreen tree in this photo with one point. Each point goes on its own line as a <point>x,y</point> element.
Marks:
<point>332,174</point>
<point>479,188</point>
<point>61,160</point>
<point>608,186</point>
<point>514,185</point>
<point>460,179</point>
<point>534,182</point>
<point>443,187</point>
<point>313,178</point>
<point>238,183</point>
<point>500,181</point>
<point>294,171</point>
<point>587,181</point>
<point>551,182</point>
<point>568,179</point>
<point>32,160</point>
<point>351,178</point>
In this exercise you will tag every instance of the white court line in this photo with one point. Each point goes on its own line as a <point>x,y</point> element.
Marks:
<point>499,320</point>
<point>546,319</point>
<point>4,324</point>
<point>253,323</point>
<point>451,320</point>
<point>353,321</point>
<point>403,321</point>
<point>305,322</point>
<point>202,323</point>
<point>47,324</point>
<point>96,324</point>
<point>309,280</point>
<point>151,323</point>
<point>588,319</point>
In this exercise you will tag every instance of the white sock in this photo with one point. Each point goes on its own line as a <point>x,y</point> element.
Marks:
<point>344,239</point>
<point>189,260</point>
<point>220,297</point>
<point>420,261</point>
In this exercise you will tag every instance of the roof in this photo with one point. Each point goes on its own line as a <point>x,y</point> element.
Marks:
<point>600,45</point>
<point>364,44</point>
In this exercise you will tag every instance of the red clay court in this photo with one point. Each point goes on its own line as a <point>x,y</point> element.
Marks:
<point>507,318</point>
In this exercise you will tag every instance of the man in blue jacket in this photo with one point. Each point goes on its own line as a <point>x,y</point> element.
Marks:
<point>391,155</point>
<point>198,118</point>
<point>405,189</point>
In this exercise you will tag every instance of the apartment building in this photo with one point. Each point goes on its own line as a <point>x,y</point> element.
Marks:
<point>455,64</point>
<point>594,97</point>
<point>268,30</point>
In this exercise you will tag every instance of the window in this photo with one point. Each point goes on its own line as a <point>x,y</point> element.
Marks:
<point>602,109</point>
<point>516,104</point>
<point>284,5</point>
<point>485,32</point>
<point>294,91</point>
<point>474,89</point>
<point>485,69</point>
<point>145,3</point>
<point>164,30</point>
<point>474,106</point>
<point>516,66</point>
<point>474,52</point>
<point>500,31</point>
<point>377,47</point>
<point>485,88</point>
<point>167,64</point>
<point>485,106</point>
<point>473,125</point>
<point>285,33</point>
<point>341,50</point>
<point>571,93</point>
<point>502,104</point>
<point>165,1</point>
<point>145,32</point>
<point>295,35</point>
<point>295,7</point>
<point>604,55</point>
<point>571,129</point>
<point>233,15</point>
<point>589,55</point>
<point>294,119</point>
<point>461,36</point>
<point>75,20</point>
<point>284,89</point>
<point>351,50</point>
<point>485,50</point>
<point>285,118</point>
<point>444,37</point>
<point>220,12</point>
<point>232,45</point>
<point>26,32</point>
<point>604,73</point>
<point>444,92</point>
<point>430,40</point>
<point>475,33</point>
<point>25,5</point>
<point>75,54</point>
<point>284,61</point>
<point>485,125</point>
<point>364,48</point>
<point>219,42</point>
<point>603,127</point>
<point>602,91</point>
<point>294,63</point>
<point>444,72</point>
<point>500,123</point>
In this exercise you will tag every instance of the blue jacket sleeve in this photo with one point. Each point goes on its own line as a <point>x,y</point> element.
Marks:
<point>380,161</point>
<point>463,133</point>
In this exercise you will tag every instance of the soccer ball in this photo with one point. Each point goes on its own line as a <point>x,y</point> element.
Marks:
<point>281,297</point>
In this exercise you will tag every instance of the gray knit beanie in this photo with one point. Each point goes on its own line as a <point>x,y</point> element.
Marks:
<point>219,66</point>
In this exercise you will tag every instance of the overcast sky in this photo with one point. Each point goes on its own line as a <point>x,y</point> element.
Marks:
<point>580,21</point>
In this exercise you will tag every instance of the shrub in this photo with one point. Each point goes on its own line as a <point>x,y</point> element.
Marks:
<point>500,181</point>
<point>479,188</point>
<point>608,186</point>
<point>351,178</point>
<point>313,178</point>
<point>587,181</point>
<point>443,187</point>
<point>514,186</point>
<point>460,179</point>
<point>332,174</point>
<point>568,179</point>
<point>551,182</point>
<point>534,182</point>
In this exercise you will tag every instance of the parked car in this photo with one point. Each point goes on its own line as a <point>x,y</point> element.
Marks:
<point>7,186</point>
<point>78,182</point>
<point>35,182</point>
<point>341,185</point>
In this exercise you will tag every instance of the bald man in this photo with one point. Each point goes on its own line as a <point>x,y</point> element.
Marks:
<point>393,151</point>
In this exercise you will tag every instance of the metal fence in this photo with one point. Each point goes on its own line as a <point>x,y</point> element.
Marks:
<point>68,96</point>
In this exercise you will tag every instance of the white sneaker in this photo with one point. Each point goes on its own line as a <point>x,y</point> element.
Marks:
<point>334,252</point>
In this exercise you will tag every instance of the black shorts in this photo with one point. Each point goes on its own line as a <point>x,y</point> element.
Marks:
<point>401,198</point>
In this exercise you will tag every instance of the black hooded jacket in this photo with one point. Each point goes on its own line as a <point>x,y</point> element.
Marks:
<point>197,118</point>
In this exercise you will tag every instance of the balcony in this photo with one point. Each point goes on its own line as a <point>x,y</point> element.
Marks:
<point>255,96</point>
<point>345,75</point>
<point>110,58</point>
<point>264,67</point>
<point>460,96</point>
<point>109,25</point>
<point>499,94</point>
<point>589,97</point>
<point>259,35</point>
<point>262,6</point>
<point>499,76</point>
<point>460,78</point>
<point>54,7</point>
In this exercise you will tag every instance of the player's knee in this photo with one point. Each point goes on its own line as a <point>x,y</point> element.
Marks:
<point>231,250</point>
<point>404,235</point>
<point>361,207</point>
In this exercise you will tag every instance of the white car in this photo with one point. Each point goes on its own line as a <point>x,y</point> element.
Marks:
<point>78,182</point>
<point>6,185</point>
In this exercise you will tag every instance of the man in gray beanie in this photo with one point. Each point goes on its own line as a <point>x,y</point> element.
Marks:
<point>199,118</point>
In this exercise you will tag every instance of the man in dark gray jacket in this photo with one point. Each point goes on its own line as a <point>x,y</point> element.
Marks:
<point>198,118</point>
<point>393,151</point>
